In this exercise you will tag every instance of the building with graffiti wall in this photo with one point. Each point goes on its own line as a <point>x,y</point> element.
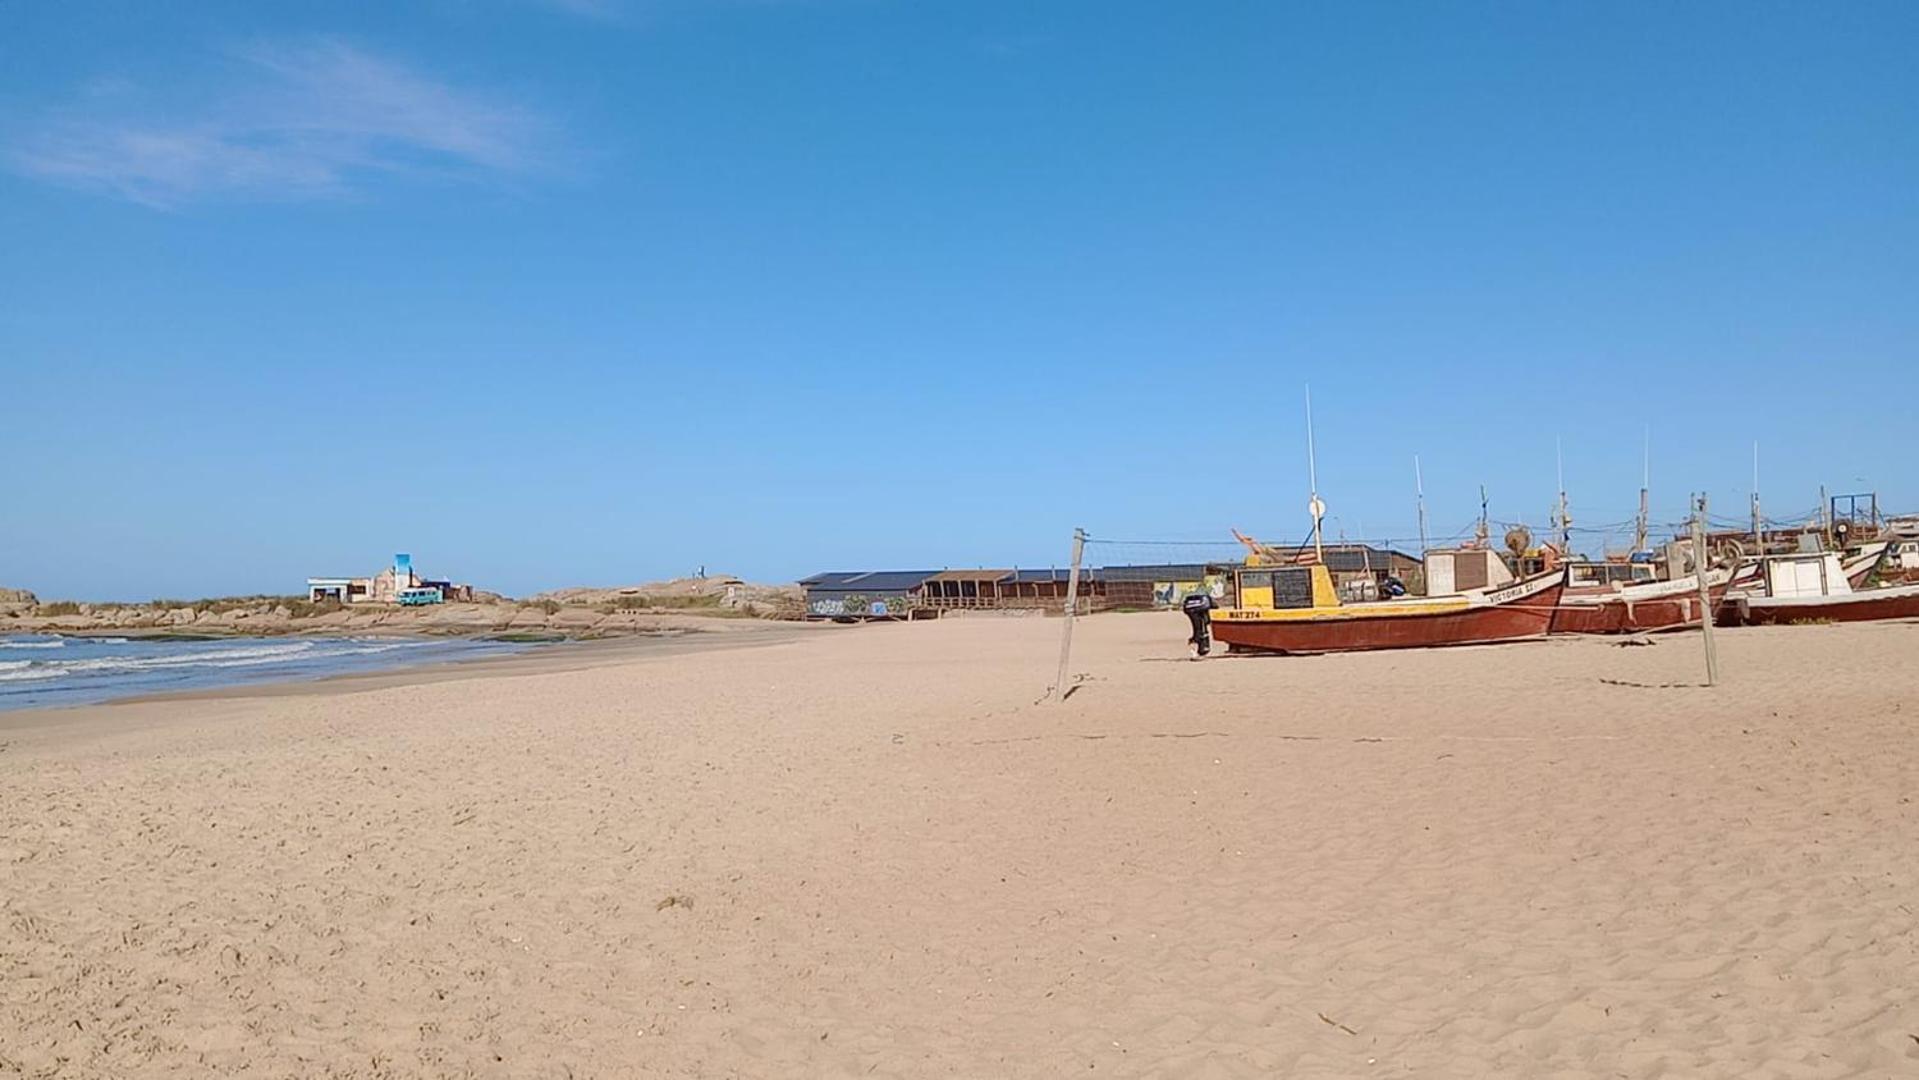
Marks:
<point>918,594</point>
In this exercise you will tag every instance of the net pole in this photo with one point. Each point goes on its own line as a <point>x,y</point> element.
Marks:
<point>1312,480</point>
<point>1419,491</point>
<point>1705,592</point>
<point>1072,609</point>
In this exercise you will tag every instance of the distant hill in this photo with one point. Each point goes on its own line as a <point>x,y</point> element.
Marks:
<point>719,592</point>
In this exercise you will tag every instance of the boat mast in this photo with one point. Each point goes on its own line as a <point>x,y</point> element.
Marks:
<point>1645,485</point>
<point>1419,491</point>
<point>1758,529</point>
<point>1314,506</point>
<point>1482,534</point>
<point>1563,519</point>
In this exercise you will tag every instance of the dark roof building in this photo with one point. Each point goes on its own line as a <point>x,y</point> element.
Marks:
<point>895,594</point>
<point>1035,577</point>
<point>1157,572</point>
<point>866,580</point>
<point>864,594</point>
<point>1364,558</point>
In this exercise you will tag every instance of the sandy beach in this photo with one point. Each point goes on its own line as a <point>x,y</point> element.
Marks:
<point>871,852</point>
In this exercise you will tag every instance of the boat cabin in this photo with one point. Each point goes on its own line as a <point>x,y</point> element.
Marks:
<point>1607,575</point>
<point>1309,593</point>
<point>1457,570</point>
<point>1787,576</point>
<point>1905,554</point>
<point>1812,588</point>
<point>1278,588</point>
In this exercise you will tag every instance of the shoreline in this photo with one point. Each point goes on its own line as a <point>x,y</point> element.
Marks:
<point>513,637</point>
<point>640,624</point>
<point>540,658</point>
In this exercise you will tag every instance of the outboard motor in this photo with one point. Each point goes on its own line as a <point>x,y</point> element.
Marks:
<point>1199,610</point>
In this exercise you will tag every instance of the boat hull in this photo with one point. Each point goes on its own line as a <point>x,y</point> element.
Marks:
<point>1517,613</point>
<point>1645,609</point>
<point>1870,605</point>
<point>1617,616</point>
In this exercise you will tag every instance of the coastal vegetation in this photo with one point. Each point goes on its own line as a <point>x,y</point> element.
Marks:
<point>298,606</point>
<point>642,602</point>
<point>654,607</point>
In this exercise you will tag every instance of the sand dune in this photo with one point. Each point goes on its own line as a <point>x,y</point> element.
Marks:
<point>870,853</point>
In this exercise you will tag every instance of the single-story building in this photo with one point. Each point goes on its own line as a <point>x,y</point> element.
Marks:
<point>897,594</point>
<point>1163,584</point>
<point>865,594</point>
<point>384,587</point>
<point>1366,559</point>
<point>340,590</point>
<point>952,589</point>
<point>1047,588</point>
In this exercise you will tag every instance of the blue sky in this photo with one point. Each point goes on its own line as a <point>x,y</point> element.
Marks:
<point>596,292</point>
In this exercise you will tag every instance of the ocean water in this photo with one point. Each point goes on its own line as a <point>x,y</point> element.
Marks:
<point>38,671</point>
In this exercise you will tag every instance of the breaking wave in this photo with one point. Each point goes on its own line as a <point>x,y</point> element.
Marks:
<point>77,669</point>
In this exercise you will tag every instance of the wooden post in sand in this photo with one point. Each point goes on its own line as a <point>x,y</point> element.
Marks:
<point>1072,609</point>
<point>1705,593</point>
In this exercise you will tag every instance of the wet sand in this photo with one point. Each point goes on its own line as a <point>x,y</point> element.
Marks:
<point>870,852</point>
<point>541,658</point>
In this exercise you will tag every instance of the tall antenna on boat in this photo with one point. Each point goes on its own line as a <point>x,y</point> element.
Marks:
<point>1419,490</point>
<point>1317,508</point>
<point>1645,485</point>
<point>1758,528</point>
<point>1562,519</point>
<point>1482,534</point>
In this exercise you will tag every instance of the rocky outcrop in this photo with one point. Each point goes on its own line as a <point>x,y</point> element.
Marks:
<point>719,594</point>
<point>276,615</point>
<point>17,598</point>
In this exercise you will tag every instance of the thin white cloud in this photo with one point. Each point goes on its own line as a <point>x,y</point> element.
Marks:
<point>308,121</point>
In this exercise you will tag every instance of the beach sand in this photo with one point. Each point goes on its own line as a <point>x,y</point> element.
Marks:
<point>869,852</point>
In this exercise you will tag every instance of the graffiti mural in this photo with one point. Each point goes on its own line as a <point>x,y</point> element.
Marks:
<point>1170,593</point>
<point>857,606</point>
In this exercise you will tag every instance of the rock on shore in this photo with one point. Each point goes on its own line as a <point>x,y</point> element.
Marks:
<point>687,604</point>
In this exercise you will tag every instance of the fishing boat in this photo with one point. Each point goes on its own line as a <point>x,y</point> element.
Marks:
<point>1811,588</point>
<point>1296,609</point>
<point>1860,563</point>
<point>1857,565</point>
<point>1628,598</point>
<point>1293,606</point>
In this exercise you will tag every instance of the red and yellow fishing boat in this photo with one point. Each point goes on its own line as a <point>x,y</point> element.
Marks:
<point>1293,606</point>
<point>1296,609</point>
